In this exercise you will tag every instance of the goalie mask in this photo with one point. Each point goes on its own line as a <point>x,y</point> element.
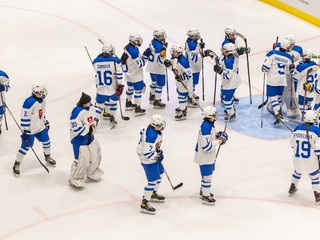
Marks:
<point>39,90</point>
<point>310,117</point>
<point>194,34</point>
<point>135,39</point>
<point>158,122</point>
<point>108,49</point>
<point>230,32</point>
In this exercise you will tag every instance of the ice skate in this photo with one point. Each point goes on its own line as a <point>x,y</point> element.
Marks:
<point>292,113</point>
<point>113,122</point>
<point>152,97</point>
<point>181,115</point>
<point>16,169</point>
<point>139,112</point>
<point>49,159</point>
<point>235,99</point>
<point>146,208</point>
<point>155,197</point>
<point>106,116</point>
<point>201,194</point>
<point>317,197</point>
<point>157,104</point>
<point>231,118</point>
<point>130,106</point>
<point>208,200</point>
<point>293,189</point>
<point>191,103</point>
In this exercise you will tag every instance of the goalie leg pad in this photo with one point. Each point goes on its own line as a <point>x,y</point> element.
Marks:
<point>94,172</point>
<point>79,168</point>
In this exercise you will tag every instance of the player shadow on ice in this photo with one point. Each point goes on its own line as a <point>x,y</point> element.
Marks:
<point>248,120</point>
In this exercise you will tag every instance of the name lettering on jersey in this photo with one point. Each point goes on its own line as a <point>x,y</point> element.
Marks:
<point>103,66</point>
<point>281,60</point>
<point>301,135</point>
<point>90,119</point>
<point>40,113</point>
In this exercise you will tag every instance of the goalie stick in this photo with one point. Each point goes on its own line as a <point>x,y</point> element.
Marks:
<point>247,56</point>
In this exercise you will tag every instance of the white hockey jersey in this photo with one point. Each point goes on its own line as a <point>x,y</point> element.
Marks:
<point>133,69</point>
<point>33,115</point>
<point>155,62</point>
<point>181,66</point>
<point>230,78</point>
<point>193,55</point>
<point>4,79</point>
<point>305,152</point>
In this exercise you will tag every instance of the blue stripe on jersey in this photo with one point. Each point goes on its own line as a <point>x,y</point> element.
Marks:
<point>157,45</point>
<point>28,103</point>
<point>101,58</point>
<point>191,44</point>
<point>133,51</point>
<point>2,73</point>
<point>229,62</point>
<point>303,65</point>
<point>206,128</point>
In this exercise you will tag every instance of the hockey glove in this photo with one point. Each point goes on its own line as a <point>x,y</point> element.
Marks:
<point>47,125</point>
<point>202,45</point>
<point>160,156</point>
<point>179,77</point>
<point>167,63</point>
<point>247,50</point>
<point>119,90</point>
<point>307,87</point>
<point>2,88</point>
<point>124,58</point>
<point>222,136</point>
<point>217,69</point>
<point>292,67</point>
<point>242,50</point>
<point>146,53</point>
<point>25,135</point>
<point>208,53</point>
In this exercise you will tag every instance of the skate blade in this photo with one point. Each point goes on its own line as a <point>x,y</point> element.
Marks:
<point>156,200</point>
<point>16,175</point>
<point>156,107</point>
<point>180,119</point>
<point>208,203</point>
<point>139,114</point>
<point>147,212</point>
<point>129,109</point>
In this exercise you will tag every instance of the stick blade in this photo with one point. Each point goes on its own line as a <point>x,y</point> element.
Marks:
<point>125,118</point>
<point>178,186</point>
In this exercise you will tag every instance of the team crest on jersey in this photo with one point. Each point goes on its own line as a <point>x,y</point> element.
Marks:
<point>90,119</point>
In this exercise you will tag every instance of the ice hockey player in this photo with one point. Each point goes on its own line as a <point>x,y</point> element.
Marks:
<point>133,64</point>
<point>156,54</point>
<point>205,152</point>
<point>275,66</point>
<point>227,67</point>
<point>34,125</point>
<point>231,37</point>
<point>289,97</point>
<point>181,69</point>
<point>195,53</point>
<point>307,87</point>
<point>151,155</point>
<point>4,87</point>
<point>305,141</point>
<point>86,149</point>
<point>108,82</point>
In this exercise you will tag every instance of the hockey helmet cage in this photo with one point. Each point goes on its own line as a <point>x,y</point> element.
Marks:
<point>229,31</point>
<point>310,117</point>
<point>193,32</point>
<point>135,39</point>
<point>159,32</point>
<point>285,44</point>
<point>210,112</point>
<point>228,48</point>
<point>39,90</point>
<point>307,54</point>
<point>158,122</point>
<point>108,48</point>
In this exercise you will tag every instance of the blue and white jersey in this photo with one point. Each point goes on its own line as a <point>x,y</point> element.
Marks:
<point>230,78</point>
<point>150,141</point>
<point>109,74</point>
<point>194,55</point>
<point>181,64</point>
<point>296,52</point>
<point>4,79</point>
<point>205,151</point>
<point>133,69</point>
<point>276,65</point>
<point>305,153</point>
<point>300,76</point>
<point>33,115</point>
<point>80,121</point>
<point>155,60</point>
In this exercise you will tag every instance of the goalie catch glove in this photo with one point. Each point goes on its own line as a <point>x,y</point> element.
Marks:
<point>223,136</point>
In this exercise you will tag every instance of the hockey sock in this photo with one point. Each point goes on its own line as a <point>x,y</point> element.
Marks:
<point>137,98</point>
<point>148,190</point>
<point>158,183</point>
<point>158,92</point>
<point>182,102</point>
<point>153,87</point>
<point>206,185</point>
<point>129,93</point>
<point>296,178</point>
<point>315,181</point>
<point>46,147</point>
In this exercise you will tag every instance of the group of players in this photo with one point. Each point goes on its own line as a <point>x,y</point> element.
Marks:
<point>186,68</point>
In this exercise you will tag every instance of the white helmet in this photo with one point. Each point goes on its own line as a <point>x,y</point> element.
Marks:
<point>39,90</point>
<point>176,48</point>
<point>159,32</point>
<point>285,44</point>
<point>210,112</point>
<point>157,121</point>
<point>307,54</point>
<point>228,48</point>
<point>291,38</point>
<point>310,116</point>
<point>193,32</point>
<point>108,48</point>
<point>135,39</point>
<point>230,31</point>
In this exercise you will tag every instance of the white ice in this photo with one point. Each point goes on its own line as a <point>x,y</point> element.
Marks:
<point>44,41</point>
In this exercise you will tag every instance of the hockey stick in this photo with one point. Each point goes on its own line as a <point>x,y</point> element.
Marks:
<point>224,130</point>
<point>5,115</point>
<point>282,121</point>
<point>173,187</point>
<point>27,140</point>
<point>167,83</point>
<point>263,91</point>
<point>202,71</point>
<point>305,93</point>
<point>247,56</point>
